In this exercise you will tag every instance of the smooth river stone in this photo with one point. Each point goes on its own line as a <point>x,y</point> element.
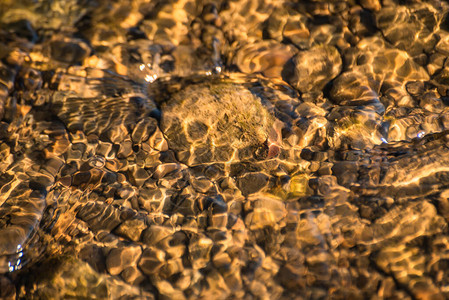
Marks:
<point>212,122</point>
<point>311,70</point>
<point>121,258</point>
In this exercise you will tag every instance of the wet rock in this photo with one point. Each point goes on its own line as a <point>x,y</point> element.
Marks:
<point>274,205</point>
<point>94,256</point>
<point>217,285</point>
<point>250,18</point>
<point>153,200</point>
<point>221,260</point>
<point>22,220</point>
<point>120,258</point>
<point>370,4</point>
<point>441,79</point>
<point>415,88</point>
<point>74,278</point>
<point>267,57</point>
<point>290,277</point>
<point>172,267</point>
<point>154,233</point>
<point>30,80</point>
<point>386,228</point>
<point>436,62</point>
<point>151,261</point>
<point>351,88</point>
<point>236,184</point>
<point>443,204</point>
<point>131,229</point>
<point>431,101</point>
<point>167,290</point>
<point>143,130</point>
<point>216,212</point>
<point>443,44</point>
<point>69,51</point>
<point>286,23</point>
<point>139,176</point>
<point>357,128</point>
<point>299,185</point>
<point>99,217</point>
<point>314,68</point>
<point>252,182</point>
<point>216,106</point>
<point>186,203</point>
<point>325,169</point>
<point>406,32</point>
<point>296,31</point>
<point>331,34</point>
<point>199,251</point>
<point>83,111</point>
<point>125,149</point>
<point>420,285</point>
<point>174,245</point>
<point>346,172</point>
<point>202,185</point>
<point>132,275</point>
<point>374,59</point>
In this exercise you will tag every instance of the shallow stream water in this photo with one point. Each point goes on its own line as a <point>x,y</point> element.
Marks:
<point>228,149</point>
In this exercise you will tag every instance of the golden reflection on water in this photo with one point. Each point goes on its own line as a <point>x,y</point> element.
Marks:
<point>224,149</point>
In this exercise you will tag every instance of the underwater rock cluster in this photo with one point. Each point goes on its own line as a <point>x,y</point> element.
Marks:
<point>225,149</point>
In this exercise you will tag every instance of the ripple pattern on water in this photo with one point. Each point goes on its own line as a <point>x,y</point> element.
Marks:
<point>224,149</point>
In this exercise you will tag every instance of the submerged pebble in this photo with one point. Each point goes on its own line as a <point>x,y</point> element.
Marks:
<point>216,122</point>
<point>314,68</point>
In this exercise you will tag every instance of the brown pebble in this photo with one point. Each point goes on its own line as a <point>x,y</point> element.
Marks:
<point>151,261</point>
<point>131,229</point>
<point>132,275</point>
<point>120,258</point>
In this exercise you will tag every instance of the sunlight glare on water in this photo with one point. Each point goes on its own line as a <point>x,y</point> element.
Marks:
<point>230,149</point>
